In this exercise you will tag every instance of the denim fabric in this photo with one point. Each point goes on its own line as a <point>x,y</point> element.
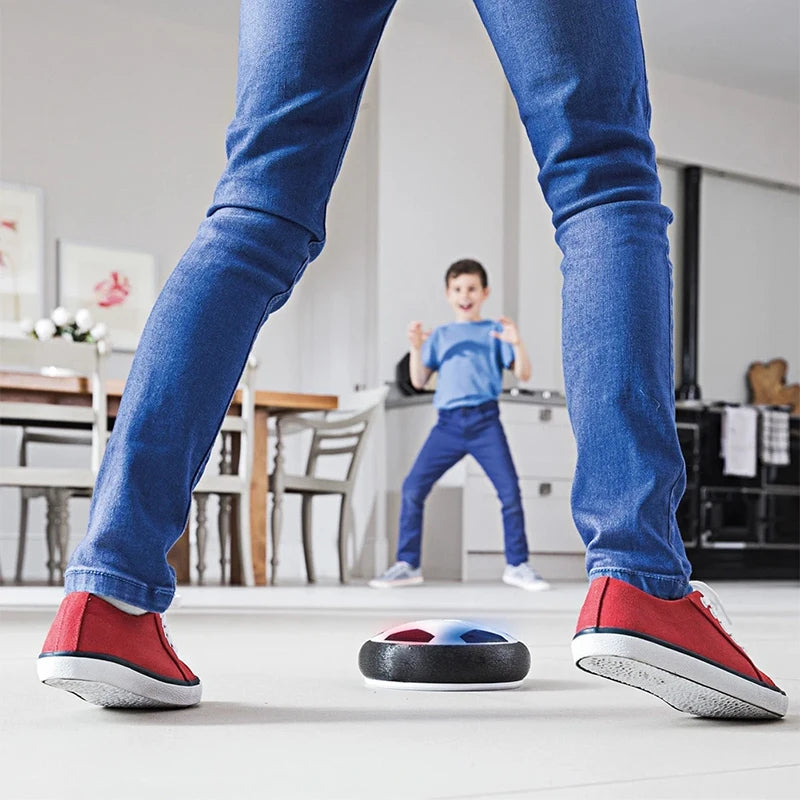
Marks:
<point>469,430</point>
<point>577,71</point>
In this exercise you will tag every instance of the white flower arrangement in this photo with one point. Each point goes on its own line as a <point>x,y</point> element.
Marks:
<point>83,320</point>
<point>78,327</point>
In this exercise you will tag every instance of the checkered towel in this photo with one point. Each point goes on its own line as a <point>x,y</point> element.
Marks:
<point>774,436</point>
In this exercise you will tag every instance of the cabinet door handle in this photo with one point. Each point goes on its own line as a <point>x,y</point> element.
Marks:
<point>545,414</point>
<point>545,489</point>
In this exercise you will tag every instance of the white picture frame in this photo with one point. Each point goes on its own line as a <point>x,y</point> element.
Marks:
<point>22,262</point>
<point>118,287</point>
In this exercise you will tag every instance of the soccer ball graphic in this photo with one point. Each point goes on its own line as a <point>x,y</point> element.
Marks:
<point>444,655</point>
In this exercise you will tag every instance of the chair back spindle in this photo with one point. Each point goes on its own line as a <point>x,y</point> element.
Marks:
<point>340,434</point>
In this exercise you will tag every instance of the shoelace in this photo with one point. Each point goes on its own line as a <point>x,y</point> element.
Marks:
<point>709,598</point>
<point>397,570</point>
<point>526,571</point>
<point>166,631</point>
<point>177,601</point>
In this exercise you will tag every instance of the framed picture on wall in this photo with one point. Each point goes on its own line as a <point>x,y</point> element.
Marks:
<point>21,254</point>
<point>118,287</point>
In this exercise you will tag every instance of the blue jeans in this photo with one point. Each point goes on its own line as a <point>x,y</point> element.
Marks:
<point>577,71</point>
<point>474,431</point>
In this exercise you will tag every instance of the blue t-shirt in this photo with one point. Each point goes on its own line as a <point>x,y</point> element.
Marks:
<point>469,360</point>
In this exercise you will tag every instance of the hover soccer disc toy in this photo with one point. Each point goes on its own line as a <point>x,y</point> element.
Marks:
<point>443,655</point>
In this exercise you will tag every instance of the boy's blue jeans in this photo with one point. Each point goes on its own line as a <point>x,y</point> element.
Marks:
<point>470,430</point>
<point>577,71</point>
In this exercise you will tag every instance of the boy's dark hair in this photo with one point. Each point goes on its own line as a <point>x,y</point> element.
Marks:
<point>466,266</point>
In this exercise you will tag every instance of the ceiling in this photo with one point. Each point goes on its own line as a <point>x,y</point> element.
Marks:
<point>747,44</point>
<point>744,44</point>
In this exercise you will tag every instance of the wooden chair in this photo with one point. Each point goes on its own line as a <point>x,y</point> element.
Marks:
<point>58,483</point>
<point>231,483</point>
<point>56,500</point>
<point>340,434</point>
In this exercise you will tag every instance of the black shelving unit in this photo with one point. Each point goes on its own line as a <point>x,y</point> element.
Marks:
<point>735,527</point>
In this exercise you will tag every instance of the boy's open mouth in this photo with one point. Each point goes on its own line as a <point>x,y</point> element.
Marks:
<point>465,306</point>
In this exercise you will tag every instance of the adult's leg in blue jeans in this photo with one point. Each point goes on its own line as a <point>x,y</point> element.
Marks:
<point>577,72</point>
<point>302,68</point>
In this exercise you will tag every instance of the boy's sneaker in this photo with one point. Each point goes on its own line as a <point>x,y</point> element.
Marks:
<point>399,574</point>
<point>525,577</point>
<point>679,650</point>
<point>115,659</point>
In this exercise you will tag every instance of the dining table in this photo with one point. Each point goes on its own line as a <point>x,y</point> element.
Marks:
<point>22,387</point>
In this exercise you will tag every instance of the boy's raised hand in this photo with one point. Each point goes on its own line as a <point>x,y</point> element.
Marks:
<point>510,332</point>
<point>416,336</point>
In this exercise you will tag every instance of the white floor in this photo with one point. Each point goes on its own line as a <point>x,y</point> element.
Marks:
<point>285,713</point>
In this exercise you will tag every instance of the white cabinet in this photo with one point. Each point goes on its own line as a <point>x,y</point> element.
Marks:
<point>543,448</point>
<point>540,438</point>
<point>548,521</point>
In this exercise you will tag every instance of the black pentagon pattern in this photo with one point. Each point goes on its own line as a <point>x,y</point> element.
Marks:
<point>478,636</point>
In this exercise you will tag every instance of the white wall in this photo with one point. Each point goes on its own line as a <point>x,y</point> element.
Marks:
<point>118,111</point>
<point>539,272</point>
<point>695,122</point>
<point>117,115</point>
<point>440,165</point>
<point>749,284</point>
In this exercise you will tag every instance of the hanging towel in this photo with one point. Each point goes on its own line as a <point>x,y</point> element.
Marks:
<point>774,436</point>
<point>738,440</point>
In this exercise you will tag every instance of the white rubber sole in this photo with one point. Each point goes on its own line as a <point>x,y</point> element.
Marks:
<point>539,586</point>
<point>377,584</point>
<point>113,685</point>
<point>373,683</point>
<point>682,681</point>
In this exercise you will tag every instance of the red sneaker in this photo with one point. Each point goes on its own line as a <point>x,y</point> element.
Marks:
<point>111,658</point>
<point>678,650</point>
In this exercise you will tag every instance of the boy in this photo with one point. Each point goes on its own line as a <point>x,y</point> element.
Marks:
<point>470,355</point>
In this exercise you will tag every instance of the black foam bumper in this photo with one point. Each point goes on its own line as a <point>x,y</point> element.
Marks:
<point>421,663</point>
